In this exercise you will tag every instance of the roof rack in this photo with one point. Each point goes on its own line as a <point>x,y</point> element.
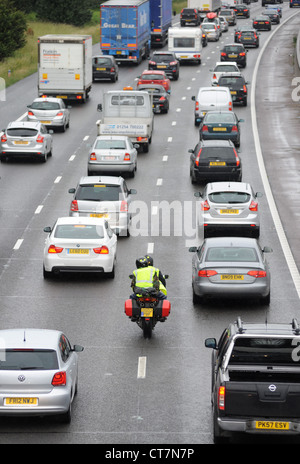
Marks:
<point>295,326</point>
<point>240,325</point>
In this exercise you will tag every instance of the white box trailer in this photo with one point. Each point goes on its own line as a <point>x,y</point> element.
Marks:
<point>65,66</point>
<point>186,43</point>
<point>127,112</point>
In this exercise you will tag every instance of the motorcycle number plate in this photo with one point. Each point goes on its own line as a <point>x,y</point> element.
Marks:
<point>147,312</point>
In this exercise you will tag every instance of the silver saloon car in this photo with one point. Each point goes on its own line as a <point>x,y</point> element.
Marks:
<point>52,112</point>
<point>230,267</point>
<point>112,153</point>
<point>228,208</point>
<point>39,373</point>
<point>26,140</point>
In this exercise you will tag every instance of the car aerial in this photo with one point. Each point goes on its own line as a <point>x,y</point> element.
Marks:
<point>230,267</point>
<point>234,52</point>
<point>273,16</point>
<point>213,160</point>
<point>229,14</point>
<point>190,17</point>
<point>26,139</point>
<point>112,153</point>
<point>80,244</point>
<point>261,23</point>
<point>241,11</point>
<point>165,61</point>
<point>154,77</point>
<point>274,7</point>
<point>211,31</point>
<point>223,67</point>
<point>224,23</point>
<point>105,67</point>
<point>229,208</point>
<point>39,373</point>
<point>159,95</point>
<point>237,86</point>
<point>248,37</point>
<point>103,197</point>
<point>221,125</point>
<point>52,112</point>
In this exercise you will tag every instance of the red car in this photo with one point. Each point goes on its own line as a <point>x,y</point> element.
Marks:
<point>155,77</point>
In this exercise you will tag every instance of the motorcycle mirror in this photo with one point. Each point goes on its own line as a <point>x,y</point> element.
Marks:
<point>131,276</point>
<point>166,276</point>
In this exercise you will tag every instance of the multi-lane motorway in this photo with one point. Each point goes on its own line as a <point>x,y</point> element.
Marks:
<point>134,390</point>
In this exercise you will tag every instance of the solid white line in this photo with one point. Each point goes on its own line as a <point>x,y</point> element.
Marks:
<point>150,248</point>
<point>141,373</point>
<point>18,243</point>
<point>272,205</point>
<point>39,209</point>
<point>57,179</point>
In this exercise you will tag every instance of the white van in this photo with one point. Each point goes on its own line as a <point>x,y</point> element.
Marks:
<point>211,99</point>
<point>186,43</point>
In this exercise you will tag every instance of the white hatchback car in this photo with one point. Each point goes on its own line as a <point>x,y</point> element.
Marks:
<point>80,244</point>
<point>50,111</point>
<point>39,373</point>
<point>223,67</point>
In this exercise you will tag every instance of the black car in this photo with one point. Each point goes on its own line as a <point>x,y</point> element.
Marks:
<point>248,38</point>
<point>237,86</point>
<point>213,160</point>
<point>262,22</point>
<point>221,125</point>
<point>190,17</point>
<point>236,53</point>
<point>165,61</point>
<point>273,16</point>
<point>105,67</point>
<point>160,97</point>
<point>241,11</point>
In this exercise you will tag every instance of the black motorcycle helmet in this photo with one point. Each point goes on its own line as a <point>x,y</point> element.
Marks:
<point>149,260</point>
<point>141,262</point>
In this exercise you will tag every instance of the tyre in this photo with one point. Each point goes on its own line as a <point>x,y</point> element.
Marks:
<point>245,101</point>
<point>146,147</point>
<point>147,327</point>
<point>46,274</point>
<point>265,300</point>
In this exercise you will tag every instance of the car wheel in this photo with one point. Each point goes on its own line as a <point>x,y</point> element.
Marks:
<point>197,299</point>
<point>265,300</point>
<point>111,274</point>
<point>44,158</point>
<point>113,79</point>
<point>66,417</point>
<point>46,274</point>
<point>146,147</point>
<point>245,101</point>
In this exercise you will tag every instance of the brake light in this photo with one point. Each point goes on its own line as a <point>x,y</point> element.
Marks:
<point>205,127</point>
<point>30,113</point>
<point>54,249</point>
<point>3,138</point>
<point>244,88</point>
<point>173,63</point>
<point>236,157</point>
<point>254,22</point>
<point>124,206</point>
<point>162,99</point>
<point>234,129</point>
<point>221,398</point>
<point>267,22</point>
<point>127,157</point>
<point>253,206</point>
<point>93,156</point>
<point>40,139</point>
<point>214,76</point>
<point>223,54</point>
<point>207,273</point>
<point>245,10</point>
<point>152,62</point>
<point>243,54</point>
<point>59,379</point>
<point>74,205</point>
<point>112,69</point>
<point>205,206</point>
<point>257,273</point>
<point>101,250</point>
<point>255,36</point>
<point>198,157</point>
<point>139,82</point>
<point>197,106</point>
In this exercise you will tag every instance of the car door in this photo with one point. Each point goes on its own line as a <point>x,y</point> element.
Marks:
<point>69,361</point>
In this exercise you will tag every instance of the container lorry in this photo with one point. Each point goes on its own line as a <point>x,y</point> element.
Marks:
<point>160,21</point>
<point>186,43</point>
<point>125,29</point>
<point>205,6</point>
<point>127,112</point>
<point>65,66</point>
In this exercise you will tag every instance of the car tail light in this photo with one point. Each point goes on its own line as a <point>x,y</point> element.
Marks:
<point>253,206</point>
<point>234,129</point>
<point>127,157</point>
<point>59,379</point>
<point>173,63</point>
<point>162,99</point>
<point>197,106</point>
<point>93,156</point>
<point>60,113</point>
<point>207,273</point>
<point>254,22</point>
<point>112,69</point>
<point>196,56</point>
<point>205,206</point>
<point>230,106</point>
<point>30,113</point>
<point>124,206</point>
<point>255,36</point>
<point>205,127</point>
<point>244,89</point>
<point>139,82</point>
<point>239,36</point>
<point>198,157</point>
<point>3,138</point>
<point>214,76</point>
<point>54,249</point>
<point>257,273</point>
<point>74,205</point>
<point>236,157</point>
<point>267,22</point>
<point>152,62</point>
<point>101,250</point>
<point>223,54</point>
<point>246,10</point>
<point>221,398</point>
<point>243,54</point>
<point>40,139</point>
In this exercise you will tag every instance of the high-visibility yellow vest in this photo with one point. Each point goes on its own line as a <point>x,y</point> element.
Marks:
<point>145,277</point>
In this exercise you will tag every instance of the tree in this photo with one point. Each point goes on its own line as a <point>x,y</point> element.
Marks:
<point>75,12</point>
<point>12,31</point>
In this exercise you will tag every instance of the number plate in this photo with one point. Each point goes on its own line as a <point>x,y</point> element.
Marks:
<point>261,22</point>
<point>272,425</point>
<point>232,56</point>
<point>20,142</point>
<point>183,56</point>
<point>219,129</point>
<point>46,122</point>
<point>229,211</point>
<point>233,92</point>
<point>217,163</point>
<point>147,312</point>
<point>232,277</point>
<point>20,401</point>
<point>78,251</point>
<point>99,215</point>
<point>161,66</point>
<point>101,69</point>
<point>61,96</point>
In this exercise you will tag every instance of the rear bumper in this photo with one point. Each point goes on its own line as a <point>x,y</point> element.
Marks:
<point>249,426</point>
<point>229,174</point>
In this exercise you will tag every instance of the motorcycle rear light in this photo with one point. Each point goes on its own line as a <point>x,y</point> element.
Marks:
<point>207,273</point>
<point>127,157</point>
<point>59,379</point>
<point>3,138</point>
<point>54,249</point>
<point>124,206</point>
<point>101,250</point>
<point>93,157</point>
<point>40,139</point>
<point>221,398</point>
<point>205,206</point>
<point>253,206</point>
<point>74,205</point>
<point>257,273</point>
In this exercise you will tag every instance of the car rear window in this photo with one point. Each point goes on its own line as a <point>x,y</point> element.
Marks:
<point>152,77</point>
<point>212,96</point>
<point>231,80</point>
<point>229,197</point>
<point>225,13</point>
<point>264,351</point>
<point>225,68</point>
<point>209,26</point>
<point>44,105</point>
<point>233,48</point>
<point>159,58</point>
<point>102,61</point>
<point>79,231</point>
<point>232,254</point>
<point>22,132</point>
<point>220,153</point>
<point>220,118</point>
<point>110,144</point>
<point>128,100</point>
<point>247,34</point>
<point>98,192</point>
<point>36,359</point>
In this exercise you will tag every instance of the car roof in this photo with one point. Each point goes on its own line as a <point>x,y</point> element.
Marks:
<point>154,71</point>
<point>224,63</point>
<point>112,137</point>
<point>21,124</point>
<point>84,220</point>
<point>29,338</point>
<point>228,186</point>
<point>50,99</point>
<point>234,45</point>
<point>231,241</point>
<point>156,52</point>
<point>104,56</point>
<point>87,180</point>
<point>216,143</point>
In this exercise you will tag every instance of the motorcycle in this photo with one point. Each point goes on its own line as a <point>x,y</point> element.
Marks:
<point>146,309</point>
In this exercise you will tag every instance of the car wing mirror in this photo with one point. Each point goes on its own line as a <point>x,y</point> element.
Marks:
<point>132,191</point>
<point>72,190</point>
<point>193,98</point>
<point>48,229</point>
<point>198,194</point>
<point>267,249</point>
<point>190,150</point>
<point>210,343</point>
<point>259,195</point>
<point>99,107</point>
<point>77,348</point>
<point>193,249</point>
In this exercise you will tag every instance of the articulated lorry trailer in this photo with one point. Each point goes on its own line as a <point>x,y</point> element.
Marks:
<point>161,20</point>
<point>125,31</point>
<point>205,6</point>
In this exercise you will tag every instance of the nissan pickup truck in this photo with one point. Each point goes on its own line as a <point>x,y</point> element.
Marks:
<point>255,384</point>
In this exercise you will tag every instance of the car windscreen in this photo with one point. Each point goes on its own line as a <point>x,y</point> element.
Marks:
<point>79,231</point>
<point>220,118</point>
<point>231,254</point>
<point>99,192</point>
<point>22,132</point>
<point>265,351</point>
<point>184,42</point>
<point>110,144</point>
<point>229,197</point>
<point>45,106</point>
<point>36,359</point>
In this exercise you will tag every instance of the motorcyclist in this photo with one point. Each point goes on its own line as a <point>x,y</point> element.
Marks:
<point>161,277</point>
<point>146,276</point>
